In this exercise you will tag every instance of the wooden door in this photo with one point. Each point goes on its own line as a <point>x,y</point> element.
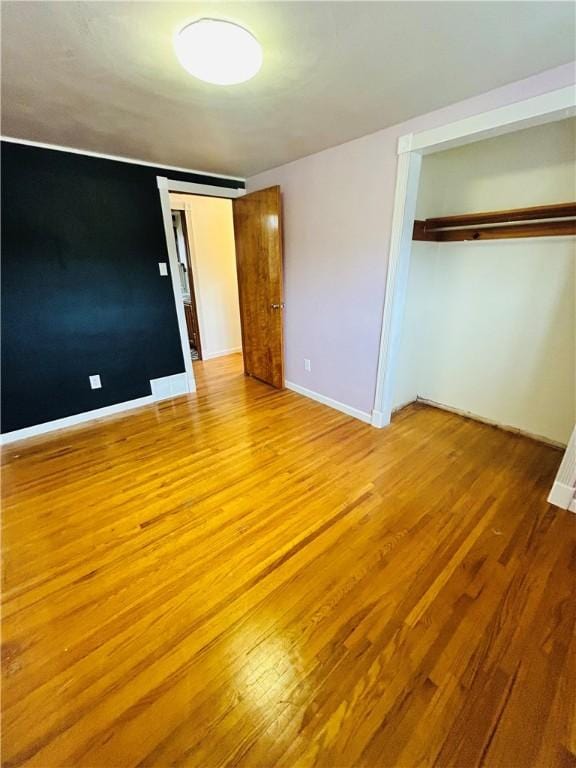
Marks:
<point>190,307</point>
<point>258,235</point>
<point>192,326</point>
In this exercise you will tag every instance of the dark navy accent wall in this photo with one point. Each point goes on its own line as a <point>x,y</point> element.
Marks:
<point>81,289</point>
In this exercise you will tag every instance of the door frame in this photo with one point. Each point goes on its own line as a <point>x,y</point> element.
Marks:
<point>165,186</point>
<point>546,108</point>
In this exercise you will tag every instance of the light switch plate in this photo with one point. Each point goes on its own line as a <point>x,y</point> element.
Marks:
<point>163,268</point>
<point>95,382</point>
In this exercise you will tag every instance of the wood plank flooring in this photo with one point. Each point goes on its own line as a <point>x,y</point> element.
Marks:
<point>244,577</point>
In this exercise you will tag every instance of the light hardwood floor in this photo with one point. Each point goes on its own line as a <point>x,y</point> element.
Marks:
<point>247,578</point>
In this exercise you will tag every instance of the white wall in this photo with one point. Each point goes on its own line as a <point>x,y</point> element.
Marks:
<point>530,167</point>
<point>211,233</point>
<point>419,309</point>
<point>489,326</point>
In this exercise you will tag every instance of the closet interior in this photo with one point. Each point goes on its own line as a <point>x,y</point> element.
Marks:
<point>489,321</point>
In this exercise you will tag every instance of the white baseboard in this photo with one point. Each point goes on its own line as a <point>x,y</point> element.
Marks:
<point>399,407</point>
<point>564,489</point>
<point>347,409</point>
<point>491,422</point>
<point>71,421</point>
<point>221,353</point>
<point>562,496</point>
<point>379,419</point>
<point>165,387</point>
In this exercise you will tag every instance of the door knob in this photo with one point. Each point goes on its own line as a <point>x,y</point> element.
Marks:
<point>277,306</point>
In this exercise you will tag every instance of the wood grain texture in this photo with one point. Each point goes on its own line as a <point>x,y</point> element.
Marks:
<point>190,307</point>
<point>534,213</point>
<point>244,577</point>
<point>258,238</point>
<point>419,231</point>
<point>484,225</point>
<point>192,327</point>
<point>506,232</point>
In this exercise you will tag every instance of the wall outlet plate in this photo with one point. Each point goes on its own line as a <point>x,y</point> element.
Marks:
<point>95,382</point>
<point>163,268</point>
<point>307,366</point>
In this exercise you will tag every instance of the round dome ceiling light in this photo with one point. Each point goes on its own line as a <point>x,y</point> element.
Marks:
<point>218,51</point>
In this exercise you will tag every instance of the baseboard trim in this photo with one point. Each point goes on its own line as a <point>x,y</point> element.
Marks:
<point>562,495</point>
<point>400,407</point>
<point>491,423</point>
<point>166,387</point>
<point>221,353</point>
<point>72,421</point>
<point>338,406</point>
<point>379,419</point>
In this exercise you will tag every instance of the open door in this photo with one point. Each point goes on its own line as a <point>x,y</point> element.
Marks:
<point>258,235</point>
<point>190,306</point>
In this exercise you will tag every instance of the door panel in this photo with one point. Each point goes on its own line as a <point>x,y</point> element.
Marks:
<point>258,235</point>
<point>192,326</point>
<point>190,308</point>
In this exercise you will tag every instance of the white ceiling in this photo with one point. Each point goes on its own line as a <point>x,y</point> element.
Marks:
<point>102,76</point>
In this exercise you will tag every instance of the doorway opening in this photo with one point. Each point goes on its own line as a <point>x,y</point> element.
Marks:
<point>226,270</point>
<point>204,236</point>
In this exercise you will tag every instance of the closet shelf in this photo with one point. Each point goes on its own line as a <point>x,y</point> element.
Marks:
<point>543,221</point>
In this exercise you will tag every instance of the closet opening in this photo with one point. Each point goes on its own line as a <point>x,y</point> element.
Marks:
<point>489,323</point>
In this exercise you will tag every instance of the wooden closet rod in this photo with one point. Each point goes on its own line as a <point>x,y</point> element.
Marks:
<point>544,221</point>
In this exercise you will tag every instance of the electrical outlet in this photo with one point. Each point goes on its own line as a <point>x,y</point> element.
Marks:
<point>163,268</point>
<point>95,382</point>
<point>307,366</point>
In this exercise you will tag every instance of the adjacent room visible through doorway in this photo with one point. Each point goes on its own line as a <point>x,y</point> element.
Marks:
<point>204,235</point>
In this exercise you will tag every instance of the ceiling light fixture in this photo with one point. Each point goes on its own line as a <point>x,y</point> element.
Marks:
<point>218,51</point>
